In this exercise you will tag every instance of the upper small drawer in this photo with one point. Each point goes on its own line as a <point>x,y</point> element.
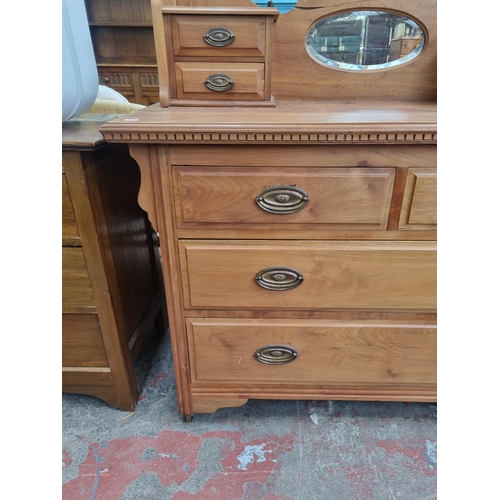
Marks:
<point>350,198</point>
<point>209,36</point>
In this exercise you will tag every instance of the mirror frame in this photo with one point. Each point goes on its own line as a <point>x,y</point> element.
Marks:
<point>353,68</point>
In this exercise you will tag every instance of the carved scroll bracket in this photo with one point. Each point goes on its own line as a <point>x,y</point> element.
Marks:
<point>140,153</point>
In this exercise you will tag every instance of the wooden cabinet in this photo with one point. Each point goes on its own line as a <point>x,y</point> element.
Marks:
<point>300,239</point>
<point>124,49</point>
<point>112,285</point>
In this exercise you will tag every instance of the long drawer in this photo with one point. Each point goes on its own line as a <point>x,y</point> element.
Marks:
<point>308,274</point>
<point>324,352</point>
<point>350,198</point>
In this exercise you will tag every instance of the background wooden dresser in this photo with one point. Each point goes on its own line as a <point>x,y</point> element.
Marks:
<point>111,271</point>
<point>124,49</point>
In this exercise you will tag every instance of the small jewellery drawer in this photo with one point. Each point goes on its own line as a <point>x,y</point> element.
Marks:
<point>419,208</point>
<point>308,274</point>
<point>234,81</point>
<point>350,198</point>
<point>257,351</point>
<point>225,36</point>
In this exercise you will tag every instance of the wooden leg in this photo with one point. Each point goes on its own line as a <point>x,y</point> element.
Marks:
<point>187,418</point>
<point>161,320</point>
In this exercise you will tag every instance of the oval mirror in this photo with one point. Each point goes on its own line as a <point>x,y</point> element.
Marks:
<point>364,40</point>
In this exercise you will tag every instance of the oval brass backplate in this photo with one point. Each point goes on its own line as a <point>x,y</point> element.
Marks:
<point>282,199</point>
<point>219,37</point>
<point>279,278</point>
<point>219,82</point>
<point>276,354</point>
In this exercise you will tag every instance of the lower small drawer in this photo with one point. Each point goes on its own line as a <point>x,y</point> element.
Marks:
<point>220,81</point>
<point>328,352</point>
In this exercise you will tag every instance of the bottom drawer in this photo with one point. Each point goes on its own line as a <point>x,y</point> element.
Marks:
<point>328,352</point>
<point>82,343</point>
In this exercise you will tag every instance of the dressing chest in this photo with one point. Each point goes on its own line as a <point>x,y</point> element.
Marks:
<point>294,191</point>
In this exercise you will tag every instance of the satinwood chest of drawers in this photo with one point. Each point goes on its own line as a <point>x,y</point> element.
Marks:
<point>298,233</point>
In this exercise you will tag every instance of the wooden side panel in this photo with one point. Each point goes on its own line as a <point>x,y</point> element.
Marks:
<point>249,36</point>
<point>82,343</point>
<point>248,80</point>
<point>127,236</point>
<point>419,208</point>
<point>357,198</point>
<point>336,274</point>
<point>329,352</point>
<point>70,234</point>
<point>77,295</point>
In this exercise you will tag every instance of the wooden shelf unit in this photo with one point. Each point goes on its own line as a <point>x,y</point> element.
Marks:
<point>124,47</point>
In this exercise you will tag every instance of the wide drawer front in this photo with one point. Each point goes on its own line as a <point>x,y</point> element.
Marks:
<point>228,36</point>
<point>324,352</point>
<point>352,198</point>
<point>234,81</point>
<point>309,275</point>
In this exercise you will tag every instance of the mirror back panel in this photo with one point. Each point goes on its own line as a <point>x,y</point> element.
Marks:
<point>296,75</point>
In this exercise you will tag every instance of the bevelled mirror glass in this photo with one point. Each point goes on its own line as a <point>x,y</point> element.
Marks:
<point>365,40</point>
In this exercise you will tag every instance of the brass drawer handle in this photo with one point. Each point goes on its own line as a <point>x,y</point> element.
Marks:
<point>219,82</point>
<point>282,199</point>
<point>276,354</point>
<point>219,37</point>
<point>279,278</point>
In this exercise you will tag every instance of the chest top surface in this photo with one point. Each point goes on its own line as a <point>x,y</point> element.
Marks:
<point>374,122</point>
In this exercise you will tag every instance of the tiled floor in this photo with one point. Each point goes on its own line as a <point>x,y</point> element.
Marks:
<point>264,450</point>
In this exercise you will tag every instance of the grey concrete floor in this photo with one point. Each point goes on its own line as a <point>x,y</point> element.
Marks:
<point>264,450</point>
